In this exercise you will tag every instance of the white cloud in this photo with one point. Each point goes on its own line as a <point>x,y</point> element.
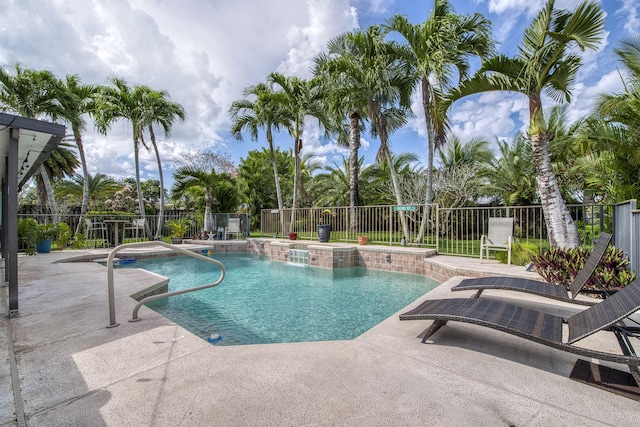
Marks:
<point>487,116</point>
<point>630,11</point>
<point>327,18</point>
<point>528,7</point>
<point>204,53</point>
<point>585,96</point>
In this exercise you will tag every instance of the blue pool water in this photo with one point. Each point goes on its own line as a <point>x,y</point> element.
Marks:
<point>261,301</point>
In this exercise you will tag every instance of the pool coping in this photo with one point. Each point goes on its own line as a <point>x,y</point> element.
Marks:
<point>74,371</point>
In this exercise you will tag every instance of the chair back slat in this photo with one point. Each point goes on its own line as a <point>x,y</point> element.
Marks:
<point>500,229</point>
<point>590,264</point>
<point>599,316</point>
<point>233,225</point>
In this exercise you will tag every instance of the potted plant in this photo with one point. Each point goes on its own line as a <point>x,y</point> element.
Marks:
<point>362,240</point>
<point>324,229</point>
<point>293,236</point>
<point>178,227</point>
<point>45,233</point>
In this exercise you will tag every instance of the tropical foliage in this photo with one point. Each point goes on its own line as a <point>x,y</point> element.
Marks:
<point>365,81</point>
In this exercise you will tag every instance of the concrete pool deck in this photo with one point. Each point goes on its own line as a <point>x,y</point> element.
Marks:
<point>72,370</point>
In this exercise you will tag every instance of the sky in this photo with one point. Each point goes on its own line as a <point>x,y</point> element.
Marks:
<point>205,52</point>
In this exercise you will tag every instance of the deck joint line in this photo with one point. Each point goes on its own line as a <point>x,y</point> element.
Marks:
<point>15,379</point>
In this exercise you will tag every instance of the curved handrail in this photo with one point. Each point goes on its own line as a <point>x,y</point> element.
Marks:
<point>110,258</point>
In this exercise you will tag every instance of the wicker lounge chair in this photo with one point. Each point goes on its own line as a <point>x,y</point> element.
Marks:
<point>536,287</point>
<point>541,327</point>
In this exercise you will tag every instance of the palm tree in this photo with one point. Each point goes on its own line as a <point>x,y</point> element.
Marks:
<point>435,50</point>
<point>262,112</point>
<point>300,99</point>
<point>122,102</point>
<point>33,94</point>
<point>256,175</point>
<point>333,188</point>
<point>476,151</point>
<point>99,187</point>
<point>77,99</point>
<point>159,109</point>
<point>614,131</point>
<point>546,63</point>
<point>192,177</point>
<point>349,73</point>
<point>367,82</point>
<point>512,175</point>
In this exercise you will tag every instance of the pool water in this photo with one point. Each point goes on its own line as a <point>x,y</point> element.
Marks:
<point>262,301</point>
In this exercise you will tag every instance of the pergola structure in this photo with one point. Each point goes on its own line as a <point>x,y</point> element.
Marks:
<point>24,145</point>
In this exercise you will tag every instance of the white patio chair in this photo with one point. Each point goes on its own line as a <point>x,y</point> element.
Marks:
<point>499,237</point>
<point>93,229</point>
<point>136,229</point>
<point>233,227</point>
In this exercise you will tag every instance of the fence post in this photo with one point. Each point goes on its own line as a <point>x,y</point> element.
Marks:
<point>634,249</point>
<point>437,230</point>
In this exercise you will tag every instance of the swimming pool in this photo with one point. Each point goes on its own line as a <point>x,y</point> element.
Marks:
<point>261,301</point>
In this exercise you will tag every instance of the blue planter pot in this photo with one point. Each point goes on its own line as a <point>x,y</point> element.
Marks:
<point>324,232</point>
<point>43,247</point>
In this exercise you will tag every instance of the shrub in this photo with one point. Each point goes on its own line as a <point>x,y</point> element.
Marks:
<point>64,235</point>
<point>561,266</point>
<point>28,235</point>
<point>521,253</point>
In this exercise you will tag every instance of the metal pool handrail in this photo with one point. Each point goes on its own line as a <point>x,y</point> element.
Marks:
<point>110,258</point>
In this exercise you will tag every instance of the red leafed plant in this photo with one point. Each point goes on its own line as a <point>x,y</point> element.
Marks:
<point>560,266</point>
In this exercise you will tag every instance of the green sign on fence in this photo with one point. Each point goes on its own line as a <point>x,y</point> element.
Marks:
<point>404,208</point>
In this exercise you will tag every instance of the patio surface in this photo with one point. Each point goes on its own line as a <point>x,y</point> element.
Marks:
<point>72,370</point>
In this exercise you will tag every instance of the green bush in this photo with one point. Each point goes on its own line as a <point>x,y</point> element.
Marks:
<point>561,266</point>
<point>521,253</point>
<point>589,232</point>
<point>28,235</point>
<point>63,236</point>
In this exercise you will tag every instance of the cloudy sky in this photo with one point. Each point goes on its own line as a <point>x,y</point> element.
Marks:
<point>204,52</point>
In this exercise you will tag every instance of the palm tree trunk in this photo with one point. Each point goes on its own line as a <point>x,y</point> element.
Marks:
<point>85,185</point>
<point>276,177</point>
<point>561,228</point>
<point>431,143</point>
<point>46,182</point>
<point>296,181</point>
<point>143,215</point>
<point>354,144</point>
<point>384,146</point>
<point>160,177</point>
<point>208,216</point>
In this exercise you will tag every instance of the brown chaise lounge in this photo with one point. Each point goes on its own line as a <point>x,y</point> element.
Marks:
<point>541,327</point>
<point>536,287</point>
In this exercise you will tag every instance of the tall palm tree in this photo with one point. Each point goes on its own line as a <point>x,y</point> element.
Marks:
<point>300,99</point>
<point>547,62</point>
<point>159,109</point>
<point>348,72</point>
<point>33,94</point>
<point>76,100</point>
<point>438,51</point>
<point>367,82</point>
<point>263,112</point>
<point>120,101</point>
